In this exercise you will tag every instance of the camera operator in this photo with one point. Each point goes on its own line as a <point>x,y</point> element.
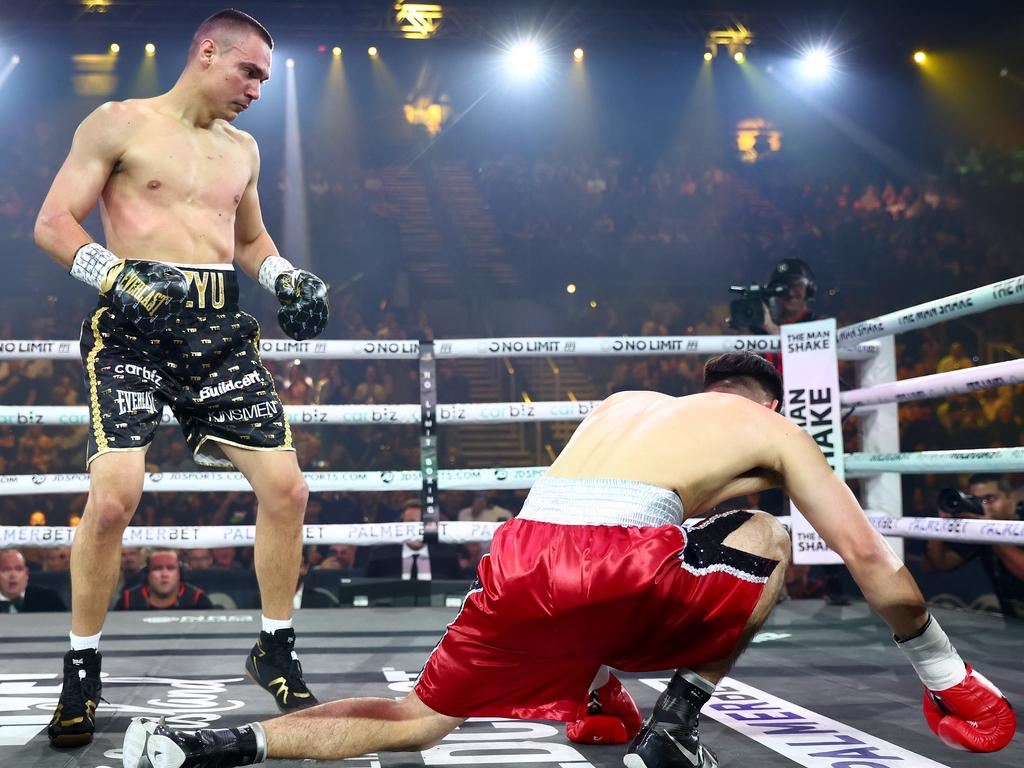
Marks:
<point>988,498</point>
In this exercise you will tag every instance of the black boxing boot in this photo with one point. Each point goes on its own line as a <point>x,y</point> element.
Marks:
<point>151,744</point>
<point>274,666</point>
<point>73,721</point>
<point>670,738</point>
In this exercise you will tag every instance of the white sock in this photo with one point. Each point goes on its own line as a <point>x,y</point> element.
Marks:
<point>80,643</point>
<point>270,626</point>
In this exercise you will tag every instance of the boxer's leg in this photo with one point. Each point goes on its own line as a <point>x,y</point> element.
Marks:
<point>671,737</point>
<point>115,487</point>
<point>332,731</point>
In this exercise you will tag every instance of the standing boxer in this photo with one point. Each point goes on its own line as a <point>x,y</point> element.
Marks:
<point>177,184</point>
<point>597,569</point>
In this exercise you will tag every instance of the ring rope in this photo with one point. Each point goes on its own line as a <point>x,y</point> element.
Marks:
<point>966,531</point>
<point>513,478</point>
<point>527,346</point>
<point>1002,293</point>
<point>355,415</point>
<point>938,384</point>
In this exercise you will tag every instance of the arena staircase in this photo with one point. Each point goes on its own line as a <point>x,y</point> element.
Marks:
<point>421,241</point>
<point>490,445</point>
<point>474,229</point>
<point>558,378</point>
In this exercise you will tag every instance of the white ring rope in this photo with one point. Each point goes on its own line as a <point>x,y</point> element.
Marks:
<point>938,462</point>
<point>970,302</point>
<point>548,346</point>
<point>356,415</point>
<point>938,384</point>
<point>514,478</point>
<point>459,532</point>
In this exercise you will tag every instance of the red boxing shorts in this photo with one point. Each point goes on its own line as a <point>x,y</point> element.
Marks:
<point>555,600</point>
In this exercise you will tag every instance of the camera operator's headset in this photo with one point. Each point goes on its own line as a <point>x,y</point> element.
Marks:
<point>787,271</point>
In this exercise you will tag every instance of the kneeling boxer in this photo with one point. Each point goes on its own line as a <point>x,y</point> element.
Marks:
<point>597,570</point>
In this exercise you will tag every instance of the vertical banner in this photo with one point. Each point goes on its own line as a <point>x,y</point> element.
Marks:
<point>811,399</point>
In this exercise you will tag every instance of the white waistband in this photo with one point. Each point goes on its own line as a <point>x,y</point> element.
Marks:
<point>601,501</point>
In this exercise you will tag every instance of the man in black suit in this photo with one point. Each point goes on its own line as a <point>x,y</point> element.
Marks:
<point>17,595</point>
<point>413,561</point>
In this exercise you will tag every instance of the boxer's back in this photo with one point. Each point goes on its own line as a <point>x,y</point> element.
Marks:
<point>701,446</point>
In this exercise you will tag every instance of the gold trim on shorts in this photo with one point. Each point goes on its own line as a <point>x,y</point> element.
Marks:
<point>90,366</point>
<point>105,451</point>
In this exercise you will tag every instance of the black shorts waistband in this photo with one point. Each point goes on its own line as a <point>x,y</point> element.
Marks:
<point>210,289</point>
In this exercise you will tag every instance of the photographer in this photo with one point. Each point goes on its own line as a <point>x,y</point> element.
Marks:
<point>988,498</point>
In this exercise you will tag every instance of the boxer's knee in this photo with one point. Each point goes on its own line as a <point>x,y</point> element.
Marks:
<point>286,499</point>
<point>107,513</point>
<point>763,535</point>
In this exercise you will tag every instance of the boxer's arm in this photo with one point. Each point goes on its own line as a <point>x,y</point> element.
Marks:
<point>832,509</point>
<point>253,244</point>
<point>95,150</point>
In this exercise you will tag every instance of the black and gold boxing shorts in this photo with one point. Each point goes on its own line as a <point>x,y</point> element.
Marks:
<point>204,363</point>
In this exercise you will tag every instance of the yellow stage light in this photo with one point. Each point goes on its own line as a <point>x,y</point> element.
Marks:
<point>372,52</point>
<point>115,48</point>
<point>708,56</point>
<point>740,57</point>
<point>578,54</point>
<point>570,288</point>
<point>336,51</point>
<point>919,57</point>
<point>150,49</point>
<point>593,303</point>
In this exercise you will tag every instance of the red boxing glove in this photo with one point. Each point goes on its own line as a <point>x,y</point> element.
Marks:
<point>972,715</point>
<point>606,716</point>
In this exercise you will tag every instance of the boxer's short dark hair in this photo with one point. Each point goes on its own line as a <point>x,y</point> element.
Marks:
<point>744,368</point>
<point>229,17</point>
<point>1002,481</point>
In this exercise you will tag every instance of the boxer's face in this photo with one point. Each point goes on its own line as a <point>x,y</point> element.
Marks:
<point>235,72</point>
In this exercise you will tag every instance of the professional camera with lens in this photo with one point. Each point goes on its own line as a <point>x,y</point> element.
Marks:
<point>958,504</point>
<point>748,312</point>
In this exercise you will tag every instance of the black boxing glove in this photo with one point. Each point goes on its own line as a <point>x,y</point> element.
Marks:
<point>303,296</point>
<point>148,294</point>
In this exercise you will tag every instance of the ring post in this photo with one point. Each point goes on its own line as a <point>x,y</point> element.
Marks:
<point>879,428</point>
<point>428,441</point>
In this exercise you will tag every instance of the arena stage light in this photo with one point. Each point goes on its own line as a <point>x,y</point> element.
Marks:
<point>920,57</point>
<point>524,58</point>
<point>817,64</point>
<point>578,54</point>
<point>570,288</point>
<point>15,59</point>
<point>740,57</point>
<point>708,55</point>
<point>372,52</point>
<point>289,63</point>
<point>115,48</point>
<point>336,51</point>
<point>150,49</point>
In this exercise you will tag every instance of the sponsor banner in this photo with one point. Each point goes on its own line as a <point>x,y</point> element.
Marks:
<point>75,415</point>
<point>971,302</point>
<point>811,400</point>
<point>34,349</point>
<point>950,462</point>
<point>497,413</point>
<point>803,736</point>
<point>461,531</point>
<point>388,480</point>
<point>938,384</point>
<point>336,349</point>
<point>604,345</point>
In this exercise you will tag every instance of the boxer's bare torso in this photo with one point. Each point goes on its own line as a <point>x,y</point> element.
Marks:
<point>707,447</point>
<point>174,189</point>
